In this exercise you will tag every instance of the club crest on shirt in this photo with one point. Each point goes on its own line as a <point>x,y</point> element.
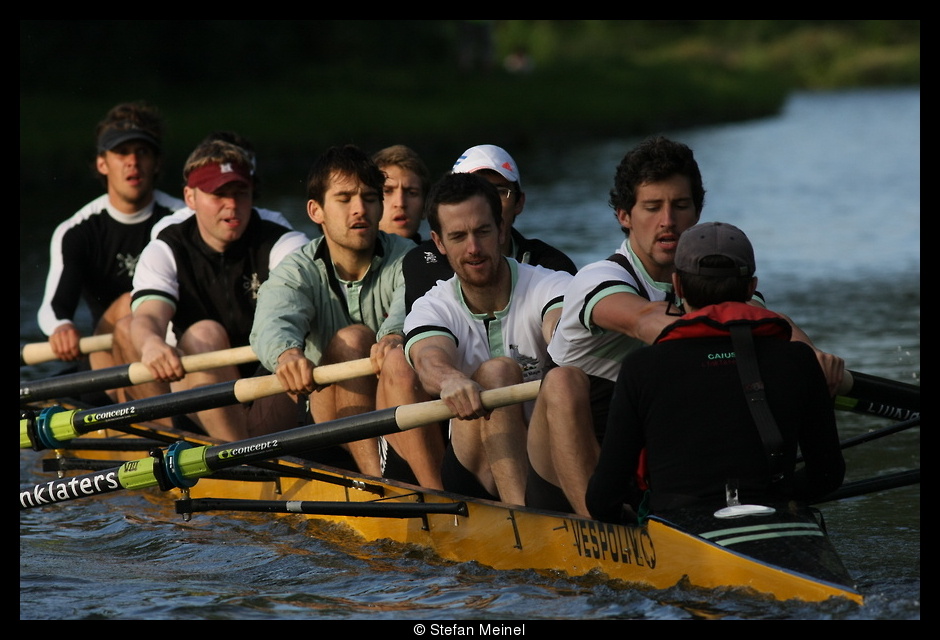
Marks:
<point>531,369</point>
<point>126,263</point>
<point>252,284</point>
<point>430,257</point>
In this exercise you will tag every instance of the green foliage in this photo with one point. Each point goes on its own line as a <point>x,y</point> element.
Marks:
<point>808,53</point>
<point>295,87</point>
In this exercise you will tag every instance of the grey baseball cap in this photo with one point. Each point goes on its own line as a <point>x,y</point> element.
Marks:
<point>715,239</point>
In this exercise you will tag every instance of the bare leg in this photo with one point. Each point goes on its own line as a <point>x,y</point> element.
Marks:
<point>423,447</point>
<point>494,448</point>
<point>562,446</point>
<point>124,352</point>
<point>120,308</point>
<point>350,397</point>
<point>228,422</point>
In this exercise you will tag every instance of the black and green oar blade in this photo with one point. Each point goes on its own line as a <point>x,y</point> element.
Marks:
<point>181,464</point>
<point>55,425</point>
<point>863,393</point>
<point>39,352</point>
<point>126,375</point>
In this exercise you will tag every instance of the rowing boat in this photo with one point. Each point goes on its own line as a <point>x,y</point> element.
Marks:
<point>784,555</point>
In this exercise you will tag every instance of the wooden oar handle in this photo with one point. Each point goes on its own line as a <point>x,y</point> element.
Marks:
<point>39,352</point>
<point>847,383</point>
<point>409,416</point>
<point>138,372</point>
<point>248,389</point>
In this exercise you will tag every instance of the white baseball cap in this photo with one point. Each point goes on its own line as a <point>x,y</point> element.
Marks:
<point>488,156</point>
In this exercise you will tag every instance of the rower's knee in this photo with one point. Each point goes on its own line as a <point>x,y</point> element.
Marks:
<point>350,343</point>
<point>205,336</point>
<point>565,385</point>
<point>498,372</point>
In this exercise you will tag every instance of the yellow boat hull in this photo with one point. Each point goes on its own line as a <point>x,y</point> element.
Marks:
<point>656,554</point>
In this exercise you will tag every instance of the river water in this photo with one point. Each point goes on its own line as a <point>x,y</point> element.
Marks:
<point>829,193</point>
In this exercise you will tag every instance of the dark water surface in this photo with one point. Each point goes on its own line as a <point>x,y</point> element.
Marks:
<point>828,191</point>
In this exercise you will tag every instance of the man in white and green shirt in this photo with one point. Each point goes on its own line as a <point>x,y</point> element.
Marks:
<point>486,327</point>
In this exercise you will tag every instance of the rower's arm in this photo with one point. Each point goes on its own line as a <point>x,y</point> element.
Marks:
<point>833,366</point>
<point>151,317</point>
<point>632,315</point>
<point>433,359</point>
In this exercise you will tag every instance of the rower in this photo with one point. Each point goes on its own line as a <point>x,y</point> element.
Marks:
<point>714,411</point>
<point>203,274</point>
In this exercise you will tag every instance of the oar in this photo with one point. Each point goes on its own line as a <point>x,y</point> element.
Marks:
<point>125,375</point>
<point>39,352</point>
<point>882,483</point>
<point>882,432</point>
<point>863,393</point>
<point>877,433</point>
<point>188,506</point>
<point>181,464</point>
<point>56,425</point>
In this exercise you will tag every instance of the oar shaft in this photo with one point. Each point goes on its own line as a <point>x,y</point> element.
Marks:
<point>337,508</point>
<point>138,373</point>
<point>39,352</point>
<point>863,487</point>
<point>358,427</point>
<point>181,466</point>
<point>126,375</point>
<point>877,433</point>
<point>56,426</point>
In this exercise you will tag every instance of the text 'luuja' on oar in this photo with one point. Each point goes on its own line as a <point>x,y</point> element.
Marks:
<point>39,352</point>
<point>181,464</point>
<point>864,393</point>
<point>53,426</point>
<point>125,375</point>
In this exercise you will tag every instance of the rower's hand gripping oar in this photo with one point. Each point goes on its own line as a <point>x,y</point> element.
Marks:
<point>56,425</point>
<point>39,352</point>
<point>863,393</point>
<point>126,375</point>
<point>181,464</point>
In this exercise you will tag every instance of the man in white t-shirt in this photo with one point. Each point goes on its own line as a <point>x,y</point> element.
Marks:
<point>612,307</point>
<point>486,327</point>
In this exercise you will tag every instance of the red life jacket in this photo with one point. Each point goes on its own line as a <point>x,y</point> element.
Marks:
<point>715,319</point>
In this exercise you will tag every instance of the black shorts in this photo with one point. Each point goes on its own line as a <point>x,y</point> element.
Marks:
<point>395,467</point>
<point>542,494</point>
<point>602,390</point>
<point>458,479</point>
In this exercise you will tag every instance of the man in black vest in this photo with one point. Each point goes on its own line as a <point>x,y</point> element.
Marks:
<point>203,274</point>
<point>721,403</point>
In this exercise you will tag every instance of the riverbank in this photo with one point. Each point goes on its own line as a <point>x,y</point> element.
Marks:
<point>376,83</point>
<point>434,110</point>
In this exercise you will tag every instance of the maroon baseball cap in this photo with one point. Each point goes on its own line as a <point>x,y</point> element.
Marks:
<point>212,177</point>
